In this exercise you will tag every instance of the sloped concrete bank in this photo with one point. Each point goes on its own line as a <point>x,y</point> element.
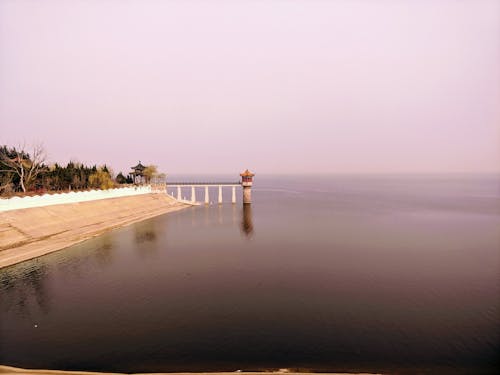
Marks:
<point>33,232</point>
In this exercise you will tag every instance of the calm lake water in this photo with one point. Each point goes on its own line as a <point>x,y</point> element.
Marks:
<point>325,273</point>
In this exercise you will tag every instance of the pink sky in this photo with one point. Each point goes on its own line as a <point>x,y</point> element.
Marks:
<point>274,86</point>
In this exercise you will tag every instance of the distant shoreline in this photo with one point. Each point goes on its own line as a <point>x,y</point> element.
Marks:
<point>32,232</point>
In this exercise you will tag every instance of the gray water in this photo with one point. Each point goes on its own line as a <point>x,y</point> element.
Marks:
<point>395,274</point>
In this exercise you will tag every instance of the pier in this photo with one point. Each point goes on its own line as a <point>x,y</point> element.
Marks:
<point>246,183</point>
<point>193,185</point>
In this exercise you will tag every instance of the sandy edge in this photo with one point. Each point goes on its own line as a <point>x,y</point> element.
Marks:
<point>42,247</point>
<point>17,371</point>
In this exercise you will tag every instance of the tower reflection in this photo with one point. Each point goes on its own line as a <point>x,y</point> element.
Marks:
<point>247,223</point>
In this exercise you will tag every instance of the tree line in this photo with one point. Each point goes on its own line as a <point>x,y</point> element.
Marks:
<point>23,171</point>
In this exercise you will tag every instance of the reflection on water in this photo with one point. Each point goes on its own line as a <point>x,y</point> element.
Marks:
<point>247,223</point>
<point>220,214</point>
<point>27,286</point>
<point>145,238</point>
<point>145,232</point>
<point>105,254</point>
<point>346,274</point>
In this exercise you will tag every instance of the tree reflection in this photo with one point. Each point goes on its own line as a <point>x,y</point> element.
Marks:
<point>24,288</point>
<point>145,235</point>
<point>145,232</point>
<point>104,253</point>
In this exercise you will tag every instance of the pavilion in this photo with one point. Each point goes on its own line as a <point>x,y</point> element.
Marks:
<point>138,173</point>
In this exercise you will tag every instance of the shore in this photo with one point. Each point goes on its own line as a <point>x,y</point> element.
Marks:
<point>16,371</point>
<point>33,232</point>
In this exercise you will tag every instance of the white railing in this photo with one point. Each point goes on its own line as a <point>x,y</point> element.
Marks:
<point>16,203</point>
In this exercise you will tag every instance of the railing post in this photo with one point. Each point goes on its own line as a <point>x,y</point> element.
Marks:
<point>179,197</point>
<point>193,194</point>
<point>233,197</point>
<point>206,195</point>
<point>220,194</point>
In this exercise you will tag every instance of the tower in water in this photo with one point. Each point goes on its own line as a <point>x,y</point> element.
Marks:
<point>246,182</point>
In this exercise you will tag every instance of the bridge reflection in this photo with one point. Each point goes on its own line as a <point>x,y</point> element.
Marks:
<point>240,218</point>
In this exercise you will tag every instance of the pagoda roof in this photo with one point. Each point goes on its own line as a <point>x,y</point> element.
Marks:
<point>139,166</point>
<point>247,173</point>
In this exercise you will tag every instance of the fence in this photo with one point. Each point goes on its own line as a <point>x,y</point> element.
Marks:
<point>16,203</point>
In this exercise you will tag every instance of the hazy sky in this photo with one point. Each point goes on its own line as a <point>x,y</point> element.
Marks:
<point>274,86</point>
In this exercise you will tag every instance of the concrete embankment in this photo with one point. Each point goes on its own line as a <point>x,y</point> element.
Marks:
<point>33,232</point>
<point>17,371</point>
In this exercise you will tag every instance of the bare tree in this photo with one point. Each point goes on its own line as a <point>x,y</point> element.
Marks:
<point>26,166</point>
<point>149,172</point>
<point>5,183</point>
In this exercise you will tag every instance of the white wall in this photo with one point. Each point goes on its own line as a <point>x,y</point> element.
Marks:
<point>17,203</point>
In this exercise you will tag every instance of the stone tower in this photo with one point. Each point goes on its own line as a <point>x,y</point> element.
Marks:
<point>246,182</point>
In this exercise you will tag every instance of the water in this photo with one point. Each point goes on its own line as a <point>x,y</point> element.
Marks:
<point>322,273</point>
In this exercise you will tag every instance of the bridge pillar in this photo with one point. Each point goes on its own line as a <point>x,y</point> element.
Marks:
<point>220,194</point>
<point>179,193</point>
<point>233,197</point>
<point>207,199</point>
<point>193,194</point>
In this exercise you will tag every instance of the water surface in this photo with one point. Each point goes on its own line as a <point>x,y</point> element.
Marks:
<point>326,273</point>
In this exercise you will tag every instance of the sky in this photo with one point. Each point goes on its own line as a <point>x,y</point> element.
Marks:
<point>346,86</point>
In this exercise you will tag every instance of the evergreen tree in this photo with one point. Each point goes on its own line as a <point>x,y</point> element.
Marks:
<point>121,179</point>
